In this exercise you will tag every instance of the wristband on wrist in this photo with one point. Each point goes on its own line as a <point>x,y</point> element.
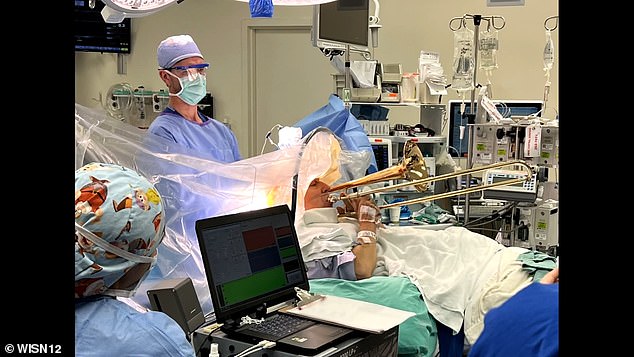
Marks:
<point>366,237</point>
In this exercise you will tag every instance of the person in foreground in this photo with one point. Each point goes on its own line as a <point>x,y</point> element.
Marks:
<point>527,324</point>
<point>184,71</point>
<point>119,223</point>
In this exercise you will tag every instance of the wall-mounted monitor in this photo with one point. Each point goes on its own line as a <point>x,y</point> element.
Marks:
<point>93,34</point>
<point>507,108</point>
<point>340,23</point>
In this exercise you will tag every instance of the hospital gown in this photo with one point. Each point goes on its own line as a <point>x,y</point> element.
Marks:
<point>323,242</point>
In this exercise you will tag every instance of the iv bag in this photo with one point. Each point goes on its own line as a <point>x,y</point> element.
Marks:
<point>488,49</point>
<point>549,52</point>
<point>463,60</point>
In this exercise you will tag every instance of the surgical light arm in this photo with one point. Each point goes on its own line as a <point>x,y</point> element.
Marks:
<point>374,24</point>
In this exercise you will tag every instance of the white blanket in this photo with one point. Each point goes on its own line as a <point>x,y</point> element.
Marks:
<point>448,264</point>
<point>500,279</point>
<point>458,271</point>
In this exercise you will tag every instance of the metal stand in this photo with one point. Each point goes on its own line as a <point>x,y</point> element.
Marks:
<point>347,90</point>
<point>122,64</point>
<point>477,19</point>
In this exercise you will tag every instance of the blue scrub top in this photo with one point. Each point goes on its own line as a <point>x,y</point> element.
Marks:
<point>184,205</point>
<point>526,325</point>
<point>105,326</point>
<point>210,137</point>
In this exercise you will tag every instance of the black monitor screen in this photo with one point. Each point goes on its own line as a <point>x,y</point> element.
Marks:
<point>93,34</point>
<point>507,108</point>
<point>382,156</point>
<point>343,22</point>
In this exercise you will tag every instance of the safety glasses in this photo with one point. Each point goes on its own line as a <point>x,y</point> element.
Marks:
<point>199,68</point>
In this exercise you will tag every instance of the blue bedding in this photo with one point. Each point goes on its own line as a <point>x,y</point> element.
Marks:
<point>417,335</point>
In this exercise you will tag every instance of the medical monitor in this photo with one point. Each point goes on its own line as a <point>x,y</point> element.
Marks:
<point>92,34</point>
<point>382,149</point>
<point>340,23</point>
<point>507,108</point>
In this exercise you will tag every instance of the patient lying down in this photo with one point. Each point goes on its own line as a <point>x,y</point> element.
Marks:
<point>461,274</point>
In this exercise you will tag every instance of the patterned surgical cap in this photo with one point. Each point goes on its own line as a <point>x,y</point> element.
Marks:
<point>119,224</point>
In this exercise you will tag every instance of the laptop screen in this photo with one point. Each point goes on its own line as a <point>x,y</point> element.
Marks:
<point>251,259</point>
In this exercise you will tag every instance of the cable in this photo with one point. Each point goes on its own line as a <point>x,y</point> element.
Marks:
<point>264,344</point>
<point>449,148</point>
<point>506,110</point>
<point>331,52</point>
<point>493,216</point>
<point>118,101</point>
<point>267,137</point>
<point>212,329</point>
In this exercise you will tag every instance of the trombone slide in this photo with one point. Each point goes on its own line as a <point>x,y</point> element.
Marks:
<point>513,177</point>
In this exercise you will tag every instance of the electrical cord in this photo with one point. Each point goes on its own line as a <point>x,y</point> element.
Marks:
<point>212,329</point>
<point>115,108</point>
<point>267,137</point>
<point>264,344</point>
<point>331,52</point>
<point>492,217</point>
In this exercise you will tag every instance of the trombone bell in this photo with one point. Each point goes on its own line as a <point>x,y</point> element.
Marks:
<point>411,167</point>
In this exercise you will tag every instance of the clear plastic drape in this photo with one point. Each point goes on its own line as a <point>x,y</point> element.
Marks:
<point>193,186</point>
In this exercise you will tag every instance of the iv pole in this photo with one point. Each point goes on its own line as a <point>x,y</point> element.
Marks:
<point>477,19</point>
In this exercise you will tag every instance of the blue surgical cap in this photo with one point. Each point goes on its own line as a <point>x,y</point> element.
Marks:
<point>176,48</point>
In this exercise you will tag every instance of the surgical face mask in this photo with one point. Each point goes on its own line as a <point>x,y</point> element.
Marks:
<point>193,87</point>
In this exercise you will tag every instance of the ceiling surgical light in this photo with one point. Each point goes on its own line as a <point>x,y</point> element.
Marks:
<point>117,10</point>
<point>296,2</point>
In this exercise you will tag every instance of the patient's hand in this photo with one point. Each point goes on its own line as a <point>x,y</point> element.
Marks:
<point>551,277</point>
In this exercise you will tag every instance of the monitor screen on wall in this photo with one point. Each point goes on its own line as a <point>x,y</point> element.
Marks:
<point>507,108</point>
<point>340,23</point>
<point>93,34</point>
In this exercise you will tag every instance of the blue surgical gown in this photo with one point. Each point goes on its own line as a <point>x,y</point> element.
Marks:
<point>526,325</point>
<point>105,326</point>
<point>336,117</point>
<point>210,138</point>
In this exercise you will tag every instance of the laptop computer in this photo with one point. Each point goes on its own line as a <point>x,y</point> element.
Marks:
<point>253,263</point>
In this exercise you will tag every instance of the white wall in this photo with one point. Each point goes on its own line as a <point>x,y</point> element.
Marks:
<point>408,27</point>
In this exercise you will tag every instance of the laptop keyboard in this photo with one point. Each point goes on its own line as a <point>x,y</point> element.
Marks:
<point>278,326</point>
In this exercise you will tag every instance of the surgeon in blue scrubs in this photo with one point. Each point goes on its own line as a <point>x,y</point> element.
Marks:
<point>184,71</point>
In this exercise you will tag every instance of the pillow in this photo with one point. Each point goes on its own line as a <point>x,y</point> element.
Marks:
<point>417,336</point>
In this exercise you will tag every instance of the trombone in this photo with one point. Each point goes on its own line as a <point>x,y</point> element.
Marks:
<point>413,165</point>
